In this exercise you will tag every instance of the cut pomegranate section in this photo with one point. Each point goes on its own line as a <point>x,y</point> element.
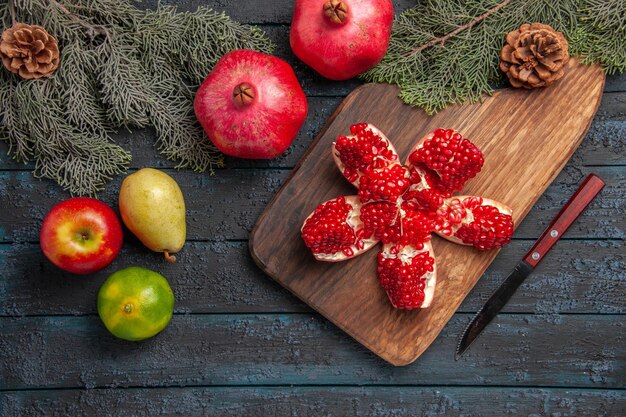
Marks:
<point>362,152</point>
<point>334,231</point>
<point>420,195</point>
<point>470,220</point>
<point>391,224</point>
<point>385,184</point>
<point>446,160</point>
<point>408,275</point>
<point>377,218</point>
<point>401,206</point>
<point>414,229</point>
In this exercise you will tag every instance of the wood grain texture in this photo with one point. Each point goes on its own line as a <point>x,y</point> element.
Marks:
<point>304,349</point>
<point>583,275</point>
<point>580,276</point>
<point>314,401</point>
<point>527,137</point>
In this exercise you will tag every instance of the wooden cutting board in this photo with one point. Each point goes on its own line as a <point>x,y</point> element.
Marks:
<point>526,137</point>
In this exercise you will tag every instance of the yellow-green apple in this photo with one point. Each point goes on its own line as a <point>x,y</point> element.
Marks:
<point>81,235</point>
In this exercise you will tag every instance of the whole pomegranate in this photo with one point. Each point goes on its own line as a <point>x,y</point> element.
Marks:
<point>251,105</point>
<point>341,38</point>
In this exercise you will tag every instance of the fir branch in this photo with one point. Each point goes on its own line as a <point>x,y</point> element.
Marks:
<point>120,67</point>
<point>12,13</point>
<point>93,30</point>
<point>460,29</point>
<point>79,162</point>
<point>443,52</point>
<point>601,34</point>
<point>82,108</point>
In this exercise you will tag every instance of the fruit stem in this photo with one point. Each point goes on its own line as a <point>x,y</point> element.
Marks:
<point>83,235</point>
<point>169,258</point>
<point>243,95</point>
<point>336,11</point>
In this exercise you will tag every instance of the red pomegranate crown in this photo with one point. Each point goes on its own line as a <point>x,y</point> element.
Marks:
<point>401,205</point>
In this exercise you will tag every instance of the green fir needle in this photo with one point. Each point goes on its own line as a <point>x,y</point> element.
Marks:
<point>120,67</point>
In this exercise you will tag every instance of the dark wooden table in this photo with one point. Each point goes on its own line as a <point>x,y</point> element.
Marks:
<point>239,345</point>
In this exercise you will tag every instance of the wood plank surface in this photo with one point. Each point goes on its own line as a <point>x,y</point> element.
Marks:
<point>315,401</point>
<point>304,349</point>
<point>217,276</point>
<point>579,276</point>
<point>527,138</point>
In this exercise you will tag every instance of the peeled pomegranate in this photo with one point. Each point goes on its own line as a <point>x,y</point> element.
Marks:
<point>402,205</point>
<point>251,105</point>
<point>332,229</point>
<point>470,220</point>
<point>341,38</point>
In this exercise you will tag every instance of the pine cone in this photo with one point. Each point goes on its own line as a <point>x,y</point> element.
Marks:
<point>29,51</point>
<point>534,56</point>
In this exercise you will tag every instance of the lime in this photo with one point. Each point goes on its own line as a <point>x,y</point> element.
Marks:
<point>135,303</point>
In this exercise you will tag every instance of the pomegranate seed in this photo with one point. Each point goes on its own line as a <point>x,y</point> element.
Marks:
<point>450,160</point>
<point>425,199</point>
<point>377,217</point>
<point>402,207</point>
<point>384,185</point>
<point>405,283</point>
<point>363,152</point>
<point>414,228</point>
<point>490,228</point>
<point>326,231</point>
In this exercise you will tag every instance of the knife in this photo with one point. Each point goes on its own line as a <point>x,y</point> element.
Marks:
<point>577,203</point>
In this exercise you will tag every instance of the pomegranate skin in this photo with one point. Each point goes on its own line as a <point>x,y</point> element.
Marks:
<point>349,45</point>
<point>251,105</point>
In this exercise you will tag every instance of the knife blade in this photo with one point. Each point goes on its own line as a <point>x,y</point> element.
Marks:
<point>574,207</point>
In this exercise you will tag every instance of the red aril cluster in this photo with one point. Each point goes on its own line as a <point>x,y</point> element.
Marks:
<point>362,152</point>
<point>451,213</point>
<point>403,281</point>
<point>451,159</point>
<point>377,218</point>
<point>473,220</point>
<point>327,231</point>
<point>401,206</point>
<point>490,228</point>
<point>334,231</point>
<point>412,228</point>
<point>385,184</point>
<point>422,199</point>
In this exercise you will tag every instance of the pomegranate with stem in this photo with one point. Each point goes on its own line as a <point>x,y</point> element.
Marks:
<point>401,206</point>
<point>341,38</point>
<point>251,105</point>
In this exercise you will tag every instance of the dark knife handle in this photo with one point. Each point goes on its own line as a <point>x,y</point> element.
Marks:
<point>587,191</point>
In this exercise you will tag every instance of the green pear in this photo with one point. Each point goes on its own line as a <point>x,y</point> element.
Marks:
<point>153,208</point>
